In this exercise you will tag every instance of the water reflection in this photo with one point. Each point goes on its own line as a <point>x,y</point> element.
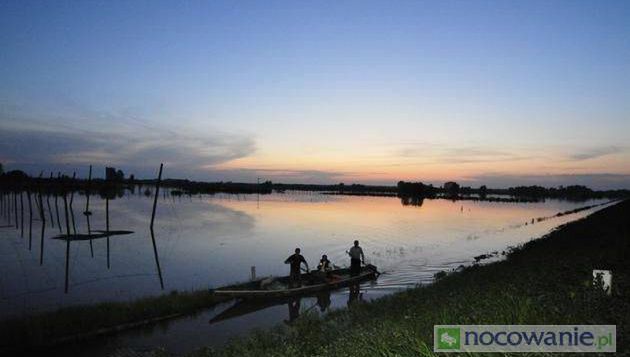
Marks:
<point>323,301</point>
<point>42,217</point>
<point>294,309</point>
<point>354,294</point>
<point>412,201</point>
<point>214,240</point>
<point>240,308</point>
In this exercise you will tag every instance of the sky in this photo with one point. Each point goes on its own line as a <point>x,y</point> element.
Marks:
<point>500,93</point>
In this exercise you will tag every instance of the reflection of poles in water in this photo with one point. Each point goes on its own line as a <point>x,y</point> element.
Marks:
<point>57,212</point>
<point>65,205</point>
<point>323,300</point>
<point>107,226</point>
<point>30,221</point>
<point>155,252</point>
<point>258,195</point>
<point>74,226</point>
<point>354,295</point>
<point>294,309</point>
<point>42,215</point>
<point>16,210</point>
<point>52,221</point>
<point>57,206</point>
<point>9,207</point>
<point>87,212</point>
<point>22,215</point>
<point>36,201</point>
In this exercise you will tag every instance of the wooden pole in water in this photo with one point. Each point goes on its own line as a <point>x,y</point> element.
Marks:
<point>9,208</point>
<point>57,212</point>
<point>36,203</point>
<point>30,221</point>
<point>16,209</point>
<point>107,226</point>
<point>157,190</point>
<point>56,204</point>
<point>155,199</point>
<point>65,205</point>
<point>22,214</point>
<point>42,215</point>
<point>87,210</point>
<point>52,221</point>
<point>74,226</point>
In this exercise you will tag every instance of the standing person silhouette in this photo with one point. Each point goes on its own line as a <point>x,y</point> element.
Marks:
<point>356,258</point>
<point>296,260</point>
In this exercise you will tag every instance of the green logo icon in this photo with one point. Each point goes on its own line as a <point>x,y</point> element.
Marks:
<point>448,338</point>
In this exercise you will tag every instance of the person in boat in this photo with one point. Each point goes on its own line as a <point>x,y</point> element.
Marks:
<point>324,269</point>
<point>356,258</point>
<point>324,265</point>
<point>296,260</point>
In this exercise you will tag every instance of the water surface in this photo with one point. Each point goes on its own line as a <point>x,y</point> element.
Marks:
<point>209,241</point>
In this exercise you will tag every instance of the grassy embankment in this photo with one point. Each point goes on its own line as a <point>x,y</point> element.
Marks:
<point>546,281</point>
<point>81,322</point>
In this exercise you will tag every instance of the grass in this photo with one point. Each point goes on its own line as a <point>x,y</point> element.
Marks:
<point>79,322</point>
<point>546,281</point>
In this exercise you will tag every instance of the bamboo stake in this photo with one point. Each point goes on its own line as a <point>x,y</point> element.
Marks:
<point>74,226</point>
<point>65,205</point>
<point>155,252</point>
<point>21,215</point>
<point>30,221</point>
<point>57,211</point>
<point>16,209</point>
<point>52,221</point>
<point>87,211</point>
<point>107,226</point>
<point>42,215</point>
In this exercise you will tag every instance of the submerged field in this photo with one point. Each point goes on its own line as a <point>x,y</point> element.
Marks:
<point>546,281</point>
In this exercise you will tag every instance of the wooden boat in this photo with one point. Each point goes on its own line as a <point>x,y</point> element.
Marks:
<point>311,283</point>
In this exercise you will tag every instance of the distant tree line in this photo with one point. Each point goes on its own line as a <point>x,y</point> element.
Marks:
<point>115,183</point>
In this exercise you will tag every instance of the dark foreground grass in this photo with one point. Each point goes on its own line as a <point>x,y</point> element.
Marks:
<point>546,281</point>
<point>81,322</point>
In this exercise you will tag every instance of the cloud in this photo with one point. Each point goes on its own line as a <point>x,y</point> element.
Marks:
<point>136,147</point>
<point>595,152</point>
<point>458,155</point>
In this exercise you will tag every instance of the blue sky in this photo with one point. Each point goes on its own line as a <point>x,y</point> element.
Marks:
<point>492,92</point>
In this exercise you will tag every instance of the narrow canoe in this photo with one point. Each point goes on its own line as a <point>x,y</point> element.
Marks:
<point>311,283</point>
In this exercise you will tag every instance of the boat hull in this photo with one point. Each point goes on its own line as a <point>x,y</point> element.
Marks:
<point>253,290</point>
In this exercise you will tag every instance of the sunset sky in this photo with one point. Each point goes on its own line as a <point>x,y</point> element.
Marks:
<point>482,92</point>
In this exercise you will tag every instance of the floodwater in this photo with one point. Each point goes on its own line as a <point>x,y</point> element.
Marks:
<point>207,241</point>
